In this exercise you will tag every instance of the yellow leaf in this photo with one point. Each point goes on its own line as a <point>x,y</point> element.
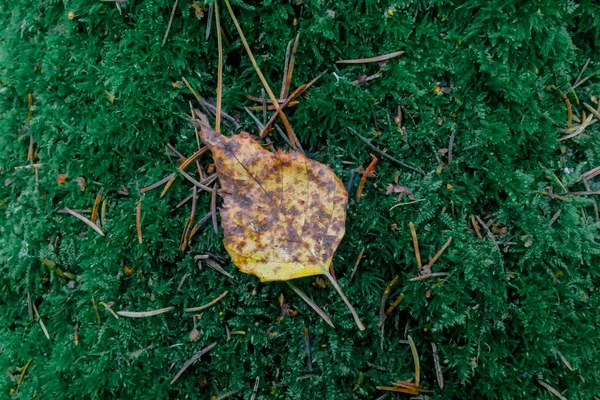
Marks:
<point>283,214</point>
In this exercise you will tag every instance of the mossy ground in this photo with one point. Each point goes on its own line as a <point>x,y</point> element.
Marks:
<point>499,319</point>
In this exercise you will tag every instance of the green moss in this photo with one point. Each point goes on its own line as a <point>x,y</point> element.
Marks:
<point>497,320</point>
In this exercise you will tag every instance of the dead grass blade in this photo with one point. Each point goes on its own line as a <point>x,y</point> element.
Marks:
<point>193,360</point>
<point>311,303</point>
<point>383,57</point>
<point>207,305</point>
<point>144,314</point>
<point>83,219</point>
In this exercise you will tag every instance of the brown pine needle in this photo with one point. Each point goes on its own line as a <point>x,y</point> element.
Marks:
<point>30,151</point>
<point>438,367</point>
<point>83,219</point>
<point>158,184</point>
<point>23,372</point>
<point>339,290</point>
<point>195,182</point>
<point>199,225</point>
<point>170,22</point>
<point>271,107</point>
<point>386,293</point>
<point>413,232</point>
<point>397,389</point>
<point>438,254</point>
<point>311,303</point>
<point>290,71</point>
<point>383,57</point>
<point>413,349</point>
<point>144,314</point>
<point>219,70</point>
<point>37,314</point>
<point>103,212</point>
<point>360,256</point>
<point>213,207</point>
<point>370,169</point>
<point>476,227</point>
<point>391,308</point>
<point>193,158</point>
<point>138,221</point>
<point>552,390</point>
<point>96,204</point>
<point>284,119</point>
<point>168,185</point>
<point>285,70</point>
<point>592,110</point>
<point>426,276</point>
<point>307,350</point>
<point>29,307</point>
<point>207,305</point>
<point>109,309</point>
<point>212,264</point>
<point>193,360</point>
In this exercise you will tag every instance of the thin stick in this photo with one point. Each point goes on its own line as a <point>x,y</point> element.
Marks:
<point>552,390</point>
<point>207,305</point>
<point>425,276</point>
<point>144,314</point>
<point>371,59</point>
<point>219,70</point>
<point>193,359</point>
<point>339,290</point>
<point>290,71</point>
<point>311,303</point>
<point>138,220</point>
<point>83,219</point>
<point>96,204</point>
<point>213,207</point>
<point>170,22</point>
<point>413,349</point>
<point>438,367</point>
<point>158,184</point>
<point>360,256</point>
<point>41,322</point>
<point>382,153</point>
<point>285,70</point>
<point>413,233</point>
<point>438,254</point>
<point>96,310</point>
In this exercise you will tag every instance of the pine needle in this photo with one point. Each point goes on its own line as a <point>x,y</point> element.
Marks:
<point>96,311</point>
<point>438,366</point>
<point>370,169</point>
<point>144,314</point>
<point>386,293</point>
<point>290,71</point>
<point>360,256</point>
<point>397,389</point>
<point>413,233</point>
<point>37,314</point>
<point>383,57</point>
<point>311,303</point>
<point>109,309</point>
<point>158,184</point>
<point>438,254</point>
<point>96,204</point>
<point>391,308</point>
<point>551,390</point>
<point>413,349</point>
<point>207,305</point>
<point>169,24</point>
<point>219,70</point>
<point>83,219</point>
<point>138,220</point>
<point>23,372</point>
<point>213,207</point>
<point>425,276</point>
<point>168,185</point>
<point>193,360</point>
